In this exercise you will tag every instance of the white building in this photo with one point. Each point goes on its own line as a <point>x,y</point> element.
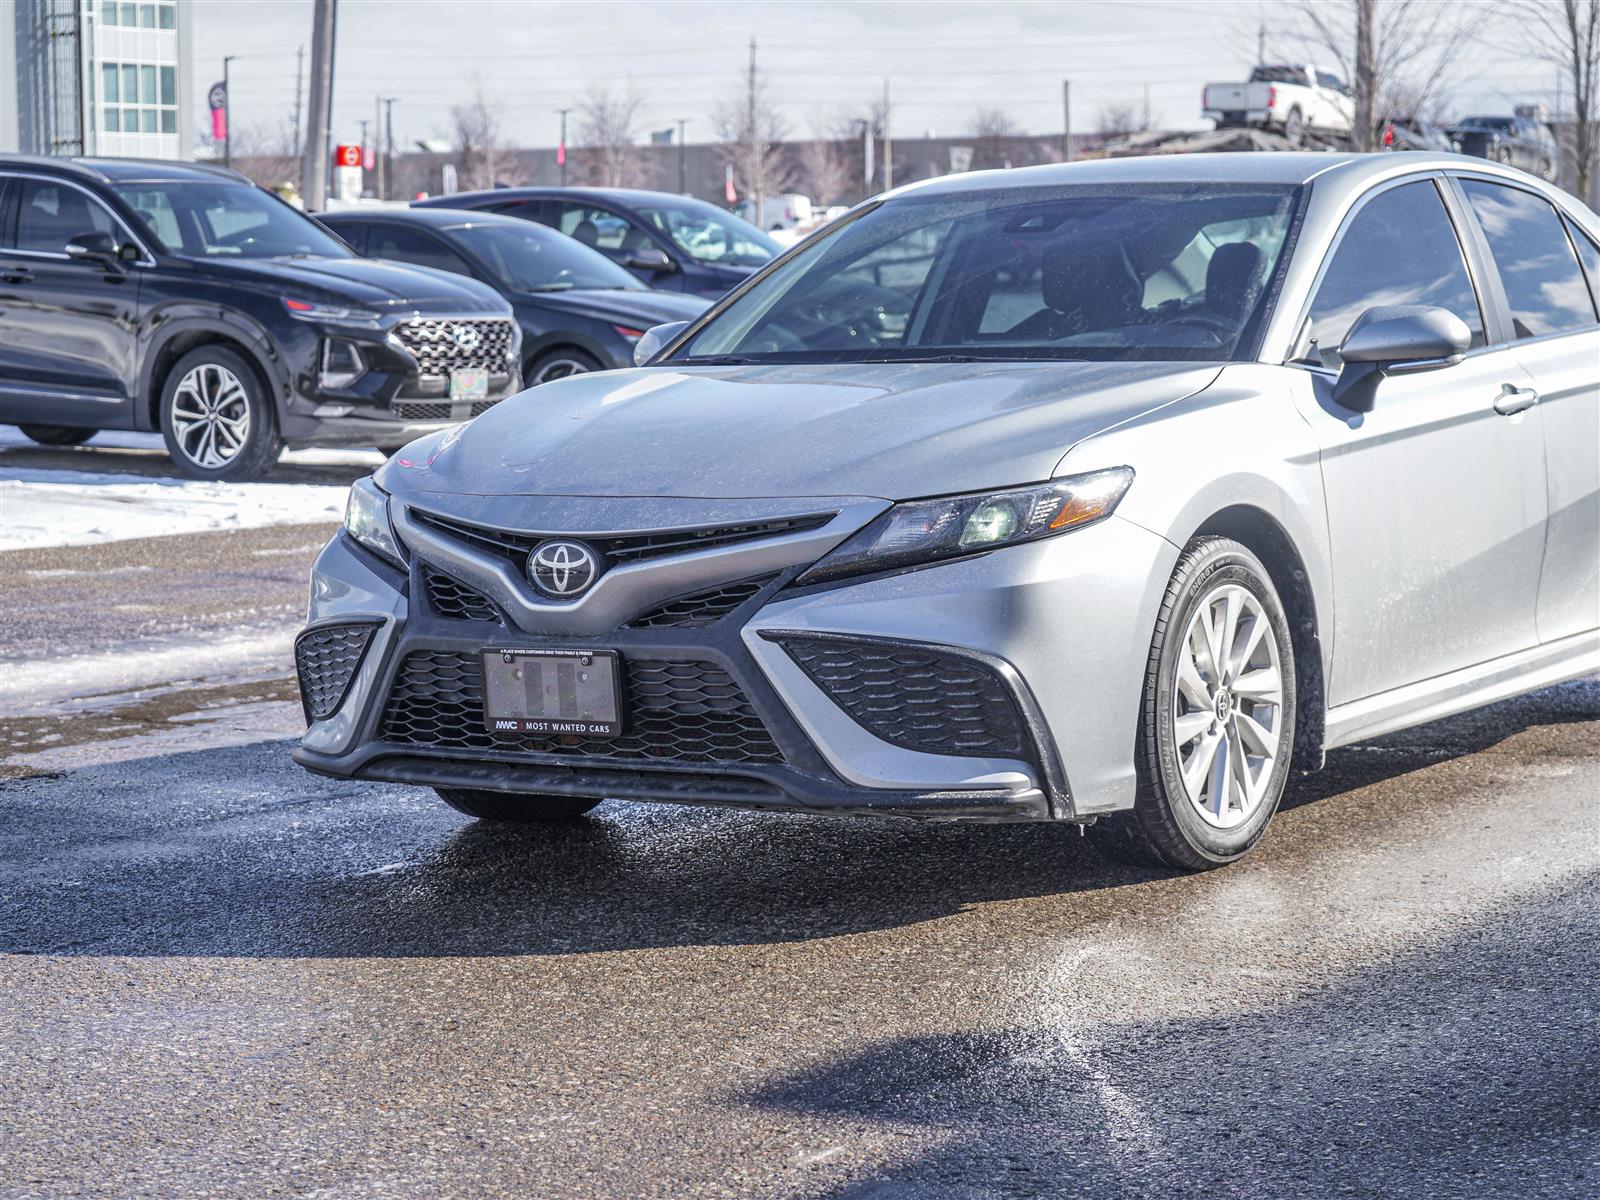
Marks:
<point>103,77</point>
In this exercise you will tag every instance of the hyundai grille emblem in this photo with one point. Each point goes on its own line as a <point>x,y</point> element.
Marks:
<point>562,570</point>
<point>466,337</point>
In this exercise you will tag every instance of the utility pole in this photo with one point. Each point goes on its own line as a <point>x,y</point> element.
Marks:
<point>561,149</point>
<point>1066,120</point>
<point>888,142</point>
<point>227,113</point>
<point>1261,44</point>
<point>386,163</point>
<point>299,88</point>
<point>757,182</point>
<point>315,186</point>
<point>1364,74</point>
<point>377,147</point>
<point>1145,127</point>
<point>683,161</point>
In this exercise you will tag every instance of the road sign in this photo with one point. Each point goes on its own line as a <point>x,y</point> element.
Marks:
<point>347,156</point>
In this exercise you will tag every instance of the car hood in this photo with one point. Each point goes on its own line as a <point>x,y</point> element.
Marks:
<point>892,431</point>
<point>372,282</point>
<point>639,309</point>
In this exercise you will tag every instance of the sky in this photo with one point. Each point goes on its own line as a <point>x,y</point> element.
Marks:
<point>821,59</point>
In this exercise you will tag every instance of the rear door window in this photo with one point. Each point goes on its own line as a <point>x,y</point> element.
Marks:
<point>1400,248</point>
<point>1588,254</point>
<point>409,246</point>
<point>1544,284</point>
<point>49,215</point>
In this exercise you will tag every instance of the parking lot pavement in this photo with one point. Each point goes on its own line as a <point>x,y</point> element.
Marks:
<point>226,977</point>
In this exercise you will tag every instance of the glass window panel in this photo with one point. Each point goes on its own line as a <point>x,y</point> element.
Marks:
<point>130,82</point>
<point>108,81</point>
<point>113,120</point>
<point>148,120</point>
<point>169,120</point>
<point>108,12</point>
<point>147,16</point>
<point>169,85</point>
<point>168,16</point>
<point>1399,249</point>
<point>1543,283</point>
<point>130,15</point>
<point>147,85</point>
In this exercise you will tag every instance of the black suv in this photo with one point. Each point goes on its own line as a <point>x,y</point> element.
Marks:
<point>173,296</point>
<point>1514,141</point>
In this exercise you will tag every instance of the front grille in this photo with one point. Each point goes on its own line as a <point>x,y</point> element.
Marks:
<point>620,548</point>
<point>326,660</point>
<point>430,410</point>
<point>437,343</point>
<point>916,698</point>
<point>700,608</point>
<point>449,598</point>
<point>685,712</point>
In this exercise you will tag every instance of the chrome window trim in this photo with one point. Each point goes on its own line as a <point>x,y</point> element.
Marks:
<point>148,260</point>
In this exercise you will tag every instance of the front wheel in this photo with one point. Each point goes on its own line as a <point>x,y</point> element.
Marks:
<point>1294,127</point>
<point>58,435</point>
<point>558,364</point>
<point>217,417</point>
<point>514,808</point>
<point>1217,727</point>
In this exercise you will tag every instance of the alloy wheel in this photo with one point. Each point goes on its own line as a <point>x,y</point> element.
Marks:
<point>1227,706</point>
<point>210,415</point>
<point>560,368</point>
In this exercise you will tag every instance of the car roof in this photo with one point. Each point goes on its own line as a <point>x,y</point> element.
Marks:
<point>121,170</point>
<point>615,195</point>
<point>432,218</point>
<point>1243,167</point>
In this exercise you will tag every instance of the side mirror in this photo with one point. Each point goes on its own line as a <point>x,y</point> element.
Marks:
<point>96,246</point>
<point>654,339</point>
<point>1396,340</point>
<point>650,260</point>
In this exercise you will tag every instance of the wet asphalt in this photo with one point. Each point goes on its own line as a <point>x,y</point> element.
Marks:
<point>221,976</point>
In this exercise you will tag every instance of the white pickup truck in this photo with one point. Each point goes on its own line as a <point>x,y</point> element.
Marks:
<point>1289,98</point>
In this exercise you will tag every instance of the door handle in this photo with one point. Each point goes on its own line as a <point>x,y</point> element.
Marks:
<point>16,274</point>
<point>1513,400</point>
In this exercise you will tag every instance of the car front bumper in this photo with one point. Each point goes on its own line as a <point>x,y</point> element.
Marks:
<point>1055,633</point>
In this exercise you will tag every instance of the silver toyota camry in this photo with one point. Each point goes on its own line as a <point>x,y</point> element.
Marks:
<point>1112,493</point>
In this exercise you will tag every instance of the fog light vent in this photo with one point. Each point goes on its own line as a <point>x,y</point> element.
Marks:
<point>327,659</point>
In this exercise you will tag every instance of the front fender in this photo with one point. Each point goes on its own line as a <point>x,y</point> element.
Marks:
<point>169,322</point>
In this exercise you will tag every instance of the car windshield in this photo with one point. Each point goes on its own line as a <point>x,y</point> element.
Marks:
<point>531,258</point>
<point>217,219</point>
<point>1486,123</point>
<point>1148,272</point>
<point>709,235</point>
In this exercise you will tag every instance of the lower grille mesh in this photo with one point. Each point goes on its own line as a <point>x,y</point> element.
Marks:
<point>326,660</point>
<point>690,712</point>
<point>451,599</point>
<point>916,698</point>
<point>701,608</point>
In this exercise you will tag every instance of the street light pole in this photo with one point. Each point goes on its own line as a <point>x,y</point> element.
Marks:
<point>683,164</point>
<point>386,159</point>
<point>561,150</point>
<point>227,113</point>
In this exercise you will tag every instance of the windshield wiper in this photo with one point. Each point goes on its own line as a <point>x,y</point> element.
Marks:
<point>549,287</point>
<point>716,360</point>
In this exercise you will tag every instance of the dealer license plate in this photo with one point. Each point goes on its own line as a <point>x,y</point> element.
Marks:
<point>469,383</point>
<point>552,692</point>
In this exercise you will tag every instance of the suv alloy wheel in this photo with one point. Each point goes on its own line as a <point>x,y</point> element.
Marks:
<point>217,417</point>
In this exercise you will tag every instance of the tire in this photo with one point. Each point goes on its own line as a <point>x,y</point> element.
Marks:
<point>514,808</point>
<point>558,364</point>
<point>58,435</point>
<point>1294,127</point>
<point>218,418</point>
<point>1191,824</point>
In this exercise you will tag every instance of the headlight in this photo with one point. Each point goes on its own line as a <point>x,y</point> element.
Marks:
<point>314,310</point>
<point>924,531</point>
<point>341,365</point>
<point>366,518</point>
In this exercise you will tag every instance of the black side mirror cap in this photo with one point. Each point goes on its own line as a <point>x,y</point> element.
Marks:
<point>95,246</point>
<point>1397,339</point>
<point>650,260</point>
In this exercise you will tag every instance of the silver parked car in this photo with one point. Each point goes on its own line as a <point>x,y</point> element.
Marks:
<point>1112,493</point>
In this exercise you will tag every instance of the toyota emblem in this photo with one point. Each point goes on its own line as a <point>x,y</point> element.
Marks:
<point>466,337</point>
<point>562,570</point>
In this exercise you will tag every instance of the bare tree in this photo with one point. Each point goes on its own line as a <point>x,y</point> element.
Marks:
<point>751,132</point>
<point>477,144</point>
<point>266,156</point>
<point>824,170</point>
<point>608,154</point>
<point>1397,54</point>
<point>1567,34</point>
<point>992,131</point>
<point>1118,120</point>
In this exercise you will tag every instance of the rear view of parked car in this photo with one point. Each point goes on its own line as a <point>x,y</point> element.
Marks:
<point>578,310</point>
<point>669,242</point>
<point>1290,99</point>
<point>182,298</point>
<point>1415,133</point>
